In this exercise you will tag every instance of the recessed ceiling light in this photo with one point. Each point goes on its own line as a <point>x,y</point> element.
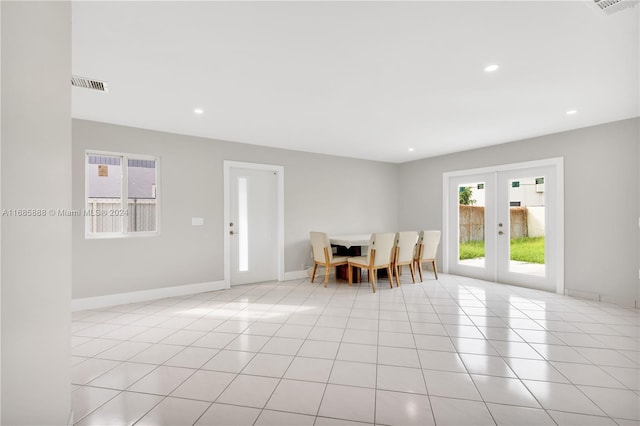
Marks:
<point>198,111</point>
<point>491,68</point>
<point>571,112</point>
<point>411,149</point>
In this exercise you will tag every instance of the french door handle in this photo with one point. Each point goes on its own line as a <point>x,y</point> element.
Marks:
<point>500,233</point>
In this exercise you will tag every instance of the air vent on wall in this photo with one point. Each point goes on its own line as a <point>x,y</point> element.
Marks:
<point>88,83</point>
<point>611,6</point>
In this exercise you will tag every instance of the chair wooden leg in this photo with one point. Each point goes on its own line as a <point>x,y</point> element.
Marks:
<point>313,274</point>
<point>372,278</point>
<point>391,268</point>
<point>397,270</point>
<point>394,269</point>
<point>349,272</point>
<point>419,262</point>
<point>327,269</point>
<point>413,273</point>
<point>435,268</point>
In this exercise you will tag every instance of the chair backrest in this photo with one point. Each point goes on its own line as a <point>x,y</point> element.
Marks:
<point>320,240</point>
<point>383,244</point>
<point>406,244</point>
<point>430,241</point>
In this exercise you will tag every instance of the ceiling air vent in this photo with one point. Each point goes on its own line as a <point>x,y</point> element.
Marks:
<point>611,6</point>
<point>88,83</point>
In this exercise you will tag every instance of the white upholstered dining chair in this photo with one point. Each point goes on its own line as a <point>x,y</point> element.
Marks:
<point>323,255</point>
<point>405,249</point>
<point>426,250</point>
<point>379,256</point>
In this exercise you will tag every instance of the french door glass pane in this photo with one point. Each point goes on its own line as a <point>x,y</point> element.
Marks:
<point>471,220</point>
<point>527,225</point>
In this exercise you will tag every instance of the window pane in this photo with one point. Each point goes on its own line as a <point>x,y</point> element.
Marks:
<point>104,193</point>
<point>471,224</point>
<point>141,187</point>
<point>527,225</point>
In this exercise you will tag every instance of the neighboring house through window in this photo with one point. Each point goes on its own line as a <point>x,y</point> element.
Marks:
<point>121,195</point>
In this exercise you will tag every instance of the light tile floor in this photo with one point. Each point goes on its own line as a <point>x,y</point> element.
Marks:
<point>456,351</point>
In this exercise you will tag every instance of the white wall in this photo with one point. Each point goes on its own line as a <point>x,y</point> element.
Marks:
<point>36,251</point>
<point>536,221</point>
<point>325,193</point>
<point>0,224</point>
<point>601,203</point>
<point>318,197</point>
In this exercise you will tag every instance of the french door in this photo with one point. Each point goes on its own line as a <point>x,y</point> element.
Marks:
<point>505,224</point>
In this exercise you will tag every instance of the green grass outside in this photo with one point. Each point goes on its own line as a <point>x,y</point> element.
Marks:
<point>530,250</point>
<point>471,250</point>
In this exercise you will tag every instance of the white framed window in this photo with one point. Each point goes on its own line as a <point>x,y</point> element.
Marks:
<point>121,195</point>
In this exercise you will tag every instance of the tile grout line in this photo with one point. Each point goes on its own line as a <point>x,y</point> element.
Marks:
<point>353,303</point>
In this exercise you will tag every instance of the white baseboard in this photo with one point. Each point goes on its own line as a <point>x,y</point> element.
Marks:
<point>590,295</point>
<point>296,275</point>
<point>145,295</point>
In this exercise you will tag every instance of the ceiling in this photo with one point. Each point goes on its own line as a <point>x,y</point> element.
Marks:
<point>358,79</point>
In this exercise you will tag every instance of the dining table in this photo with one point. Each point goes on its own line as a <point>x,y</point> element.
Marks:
<point>350,240</point>
<point>348,245</point>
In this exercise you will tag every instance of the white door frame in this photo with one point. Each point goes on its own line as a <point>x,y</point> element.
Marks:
<point>279,170</point>
<point>557,162</point>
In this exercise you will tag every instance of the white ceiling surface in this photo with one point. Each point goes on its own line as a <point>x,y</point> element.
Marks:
<point>359,79</point>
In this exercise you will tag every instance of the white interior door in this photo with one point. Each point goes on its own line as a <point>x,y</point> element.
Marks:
<point>253,225</point>
<point>506,225</point>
